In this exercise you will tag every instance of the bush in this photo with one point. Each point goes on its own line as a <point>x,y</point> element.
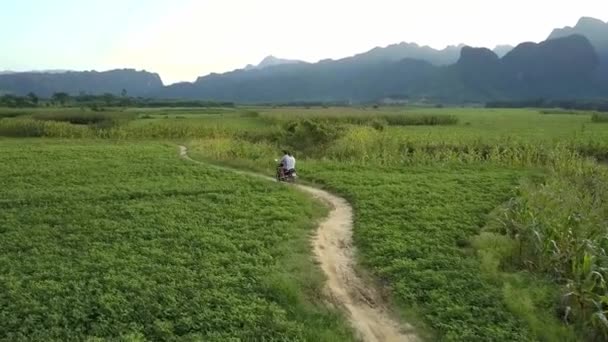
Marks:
<point>560,111</point>
<point>11,114</point>
<point>95,120</point>
<point>420,120</point>
<point>408,119</point>
<point>599,118</point>
<point>311,137</point>
<point>378,124</point>
<point>250,114</point>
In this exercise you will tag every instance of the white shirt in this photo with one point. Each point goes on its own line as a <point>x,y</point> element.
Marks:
<point>292,163</point>
<point>289,162</point>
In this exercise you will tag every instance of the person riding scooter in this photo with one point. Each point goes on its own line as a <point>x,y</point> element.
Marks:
<point>287,167</point>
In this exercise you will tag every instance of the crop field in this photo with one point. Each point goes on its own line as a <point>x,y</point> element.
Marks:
<point>476,224</point>
<point>127,241</point>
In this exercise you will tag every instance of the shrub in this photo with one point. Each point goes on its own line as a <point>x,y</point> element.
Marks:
<point>378,124</point>
<point>599,118</point>
<point>96,119</point>
<point>310,136</point>
<point>420,120</point>
<point>11,114</point>
<point>560,111</point>
<point>250,114</point>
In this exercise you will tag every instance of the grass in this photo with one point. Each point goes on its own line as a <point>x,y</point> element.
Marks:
<point>368,118</point>
<point>364,162</point>
<point>413,225</point>
<point>557,231</point>
<point>131,243</point>
<point>485,227</point>
<point>599,118</point>
<point>98,119</point>
<point>412,229</point>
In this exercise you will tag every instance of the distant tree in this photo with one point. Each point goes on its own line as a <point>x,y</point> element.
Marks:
<point>81,97</point>
<point>13,101</point>
<point>61,98</point>
<point>7,100</point>
<point>108,98</point>
<point>124,93</point>
<point>33,98</point>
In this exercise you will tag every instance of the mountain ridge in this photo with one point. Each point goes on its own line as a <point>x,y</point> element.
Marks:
<point>576,56</point>
<point>593,29</point>
<point>270,61</point>
<point>136,83</point>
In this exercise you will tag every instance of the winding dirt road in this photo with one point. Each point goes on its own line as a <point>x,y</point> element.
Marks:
<point>334,250</point>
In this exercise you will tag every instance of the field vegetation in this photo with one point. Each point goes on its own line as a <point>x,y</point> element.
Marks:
<point>480,224</point>
<point>125,241</point>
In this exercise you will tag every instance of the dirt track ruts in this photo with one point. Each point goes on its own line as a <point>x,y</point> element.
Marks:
<point>334,250</point>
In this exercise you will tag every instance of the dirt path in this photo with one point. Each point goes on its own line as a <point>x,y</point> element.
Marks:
<point>345,289</point>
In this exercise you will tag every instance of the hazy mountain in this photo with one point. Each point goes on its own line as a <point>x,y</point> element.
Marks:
<point>555,68</point>
<point>137,83</point>
<point>501,50</point>
<point>597,32</point>
<point>479,69</point>
<point>327,80</point>
<point>396,52</point>
<point>563,67</point>
<point>593,29</point>
<point>572,63</point>
<point>272,61</point>
<point>391,53</point>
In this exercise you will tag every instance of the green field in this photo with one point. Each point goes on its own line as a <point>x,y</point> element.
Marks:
<point>126,241</point>
<point>477,224</point>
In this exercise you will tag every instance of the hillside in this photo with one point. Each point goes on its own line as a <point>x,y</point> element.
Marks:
<point>573,62</point>
<point>597,32</point>
<point>555,68</point>
<point>593,29</point>
<point>397,52</point>
<point>136,83</point>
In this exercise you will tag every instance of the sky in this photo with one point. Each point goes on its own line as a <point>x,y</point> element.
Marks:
<point>184,39</point>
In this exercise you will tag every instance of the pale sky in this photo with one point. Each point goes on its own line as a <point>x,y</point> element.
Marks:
<point>184,39</point>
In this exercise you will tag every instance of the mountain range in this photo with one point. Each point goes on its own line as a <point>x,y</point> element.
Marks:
<point>571,63</point>
<point>564,66</point>
<point>596,31</point>
<point>45,84</point>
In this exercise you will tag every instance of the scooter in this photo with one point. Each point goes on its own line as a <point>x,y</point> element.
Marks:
<point>287,176</point>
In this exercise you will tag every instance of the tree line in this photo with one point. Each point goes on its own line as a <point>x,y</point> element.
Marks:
<point>97,102</point>
<point>599,105</point>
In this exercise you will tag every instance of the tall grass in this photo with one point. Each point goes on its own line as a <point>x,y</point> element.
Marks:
<point>392,119</point>
<point>559,230</point>
<point>94,119</point>
<point>24,127</point>
<point>11,113</point>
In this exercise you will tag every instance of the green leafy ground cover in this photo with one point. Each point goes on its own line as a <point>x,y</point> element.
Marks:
<point>488,229</point>
<point>128,242</point>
